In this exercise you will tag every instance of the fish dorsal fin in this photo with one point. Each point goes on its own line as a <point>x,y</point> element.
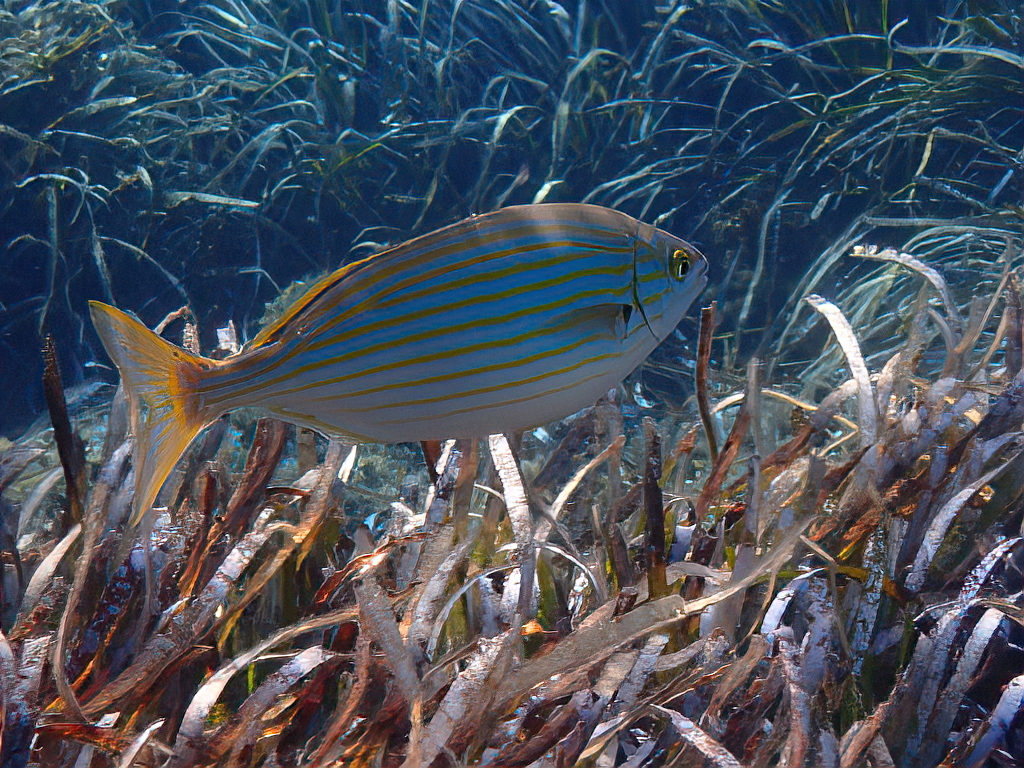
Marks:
<point>301,306</point>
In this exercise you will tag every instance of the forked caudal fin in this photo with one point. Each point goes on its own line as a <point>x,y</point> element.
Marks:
<point>160,381</point>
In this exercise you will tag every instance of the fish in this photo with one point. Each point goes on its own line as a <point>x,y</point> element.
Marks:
<point>504,321</point>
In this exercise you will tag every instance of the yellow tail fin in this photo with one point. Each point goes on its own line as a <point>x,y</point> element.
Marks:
<point>160,380</point>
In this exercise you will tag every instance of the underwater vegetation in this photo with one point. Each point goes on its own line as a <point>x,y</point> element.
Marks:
<point>793,538</point>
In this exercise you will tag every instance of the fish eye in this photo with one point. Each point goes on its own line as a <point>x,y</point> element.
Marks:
<point>679,263</point>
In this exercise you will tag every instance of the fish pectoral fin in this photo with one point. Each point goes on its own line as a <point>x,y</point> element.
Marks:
<point>606,320</point>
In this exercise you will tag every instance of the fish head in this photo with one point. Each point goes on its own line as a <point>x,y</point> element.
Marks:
<point>668,276</point>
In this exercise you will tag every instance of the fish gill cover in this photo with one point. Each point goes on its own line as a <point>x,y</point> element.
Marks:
<point>808,554</point>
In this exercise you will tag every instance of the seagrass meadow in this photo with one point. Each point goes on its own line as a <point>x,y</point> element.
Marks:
<point>792,537</point>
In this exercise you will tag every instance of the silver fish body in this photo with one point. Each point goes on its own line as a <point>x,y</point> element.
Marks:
<point>501,322</point>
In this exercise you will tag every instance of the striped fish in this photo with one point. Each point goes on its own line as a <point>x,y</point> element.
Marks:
<point>501,322</point>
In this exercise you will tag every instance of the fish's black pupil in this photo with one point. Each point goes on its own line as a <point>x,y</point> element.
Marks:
<point>681,264</point>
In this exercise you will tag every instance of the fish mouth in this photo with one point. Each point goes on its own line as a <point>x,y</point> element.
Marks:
<point>698,271</point>
<point>702,266</point>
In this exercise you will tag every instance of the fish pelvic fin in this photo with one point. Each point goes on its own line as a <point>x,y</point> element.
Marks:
<point>160,380</point>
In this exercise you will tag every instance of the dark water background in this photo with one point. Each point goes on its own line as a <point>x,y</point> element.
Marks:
<point>760,131</point>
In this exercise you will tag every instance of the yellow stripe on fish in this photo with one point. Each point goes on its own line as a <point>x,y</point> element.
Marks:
<point>501,322</point>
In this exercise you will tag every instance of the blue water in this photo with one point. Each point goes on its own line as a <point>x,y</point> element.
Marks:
<point>759,131</point>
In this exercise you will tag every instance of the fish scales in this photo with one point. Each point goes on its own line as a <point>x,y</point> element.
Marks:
<point>495,281</point>
<point>478,261</point>
<point>500,322</point>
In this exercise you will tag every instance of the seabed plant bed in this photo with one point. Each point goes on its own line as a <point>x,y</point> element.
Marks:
<point>823,570</point>
<point>815,560</point>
